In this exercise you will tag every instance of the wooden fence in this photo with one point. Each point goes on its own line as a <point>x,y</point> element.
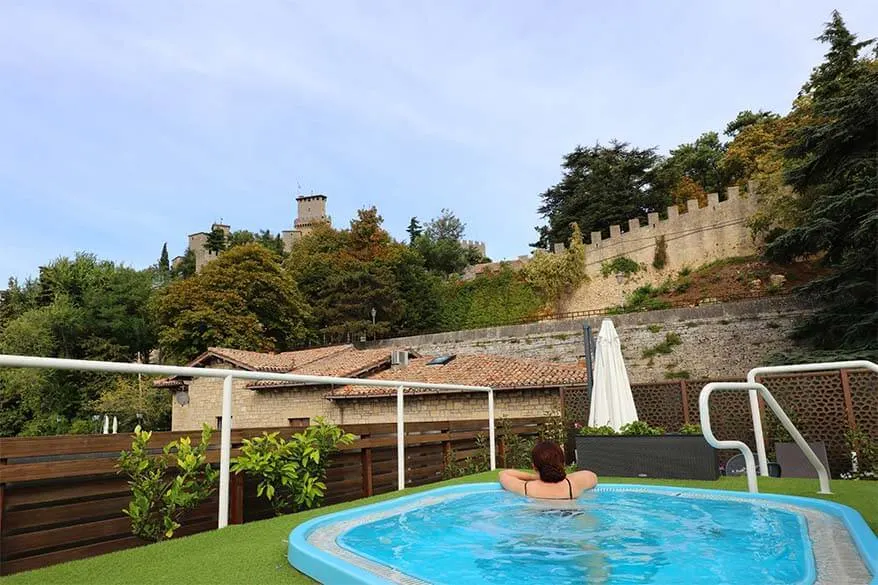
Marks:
<point>61,498</point>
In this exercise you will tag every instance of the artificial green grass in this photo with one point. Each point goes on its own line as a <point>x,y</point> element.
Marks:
<point>257,552</point>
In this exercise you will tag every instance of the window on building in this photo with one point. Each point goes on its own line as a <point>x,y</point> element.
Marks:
<point>299,422</point>
<point>219,422</point>
<point>441,360</point>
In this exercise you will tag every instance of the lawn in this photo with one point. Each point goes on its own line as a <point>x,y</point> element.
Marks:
<point>256,552</point>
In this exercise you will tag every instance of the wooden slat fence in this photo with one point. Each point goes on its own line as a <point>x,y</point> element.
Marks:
<point>61,499</point>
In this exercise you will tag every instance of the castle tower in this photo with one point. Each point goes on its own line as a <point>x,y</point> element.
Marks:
<point>198,243</point>
<point>311,213</point>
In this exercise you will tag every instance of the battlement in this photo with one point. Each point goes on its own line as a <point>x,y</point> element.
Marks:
<point>716,214</point>
<point>476,245</point>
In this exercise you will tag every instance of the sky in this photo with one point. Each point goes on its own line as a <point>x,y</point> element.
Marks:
<point>124,125</point>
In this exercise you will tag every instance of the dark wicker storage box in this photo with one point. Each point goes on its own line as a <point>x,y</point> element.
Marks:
<point>664,456</point>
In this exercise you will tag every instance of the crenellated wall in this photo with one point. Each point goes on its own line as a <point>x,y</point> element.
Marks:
<point>695,237</point>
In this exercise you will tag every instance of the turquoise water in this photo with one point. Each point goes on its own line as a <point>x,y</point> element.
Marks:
<point>610,538</point>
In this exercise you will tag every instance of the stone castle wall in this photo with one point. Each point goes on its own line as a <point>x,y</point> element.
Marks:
<point>717,340</point>
<point>695,237</point>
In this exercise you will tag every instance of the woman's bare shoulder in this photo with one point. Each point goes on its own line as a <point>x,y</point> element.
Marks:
<point>584,479</point>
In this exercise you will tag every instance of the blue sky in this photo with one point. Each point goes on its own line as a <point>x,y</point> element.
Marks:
<point>127,124</point>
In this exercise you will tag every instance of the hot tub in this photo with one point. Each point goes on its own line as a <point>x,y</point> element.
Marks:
<point>616,534</point>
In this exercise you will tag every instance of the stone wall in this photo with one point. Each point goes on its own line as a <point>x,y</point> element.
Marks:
<point>274,408</point>
<point>717,340</point>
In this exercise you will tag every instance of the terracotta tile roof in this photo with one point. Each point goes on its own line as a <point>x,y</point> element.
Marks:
<point>499,372</point>
<point>260,362</point>
<point>343,364</point>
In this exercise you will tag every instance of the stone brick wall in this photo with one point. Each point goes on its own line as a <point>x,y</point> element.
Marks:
<point>718,340</point>
<point>268,408</point>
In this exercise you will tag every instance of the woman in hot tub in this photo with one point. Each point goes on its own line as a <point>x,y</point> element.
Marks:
<point>550,482</point>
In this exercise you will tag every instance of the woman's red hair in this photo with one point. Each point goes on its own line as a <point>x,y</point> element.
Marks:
<point>548,460</point>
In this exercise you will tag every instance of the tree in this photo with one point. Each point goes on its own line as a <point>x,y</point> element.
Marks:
<point>135,402</point>
<point>699,161</point>
<point>601,186</point>
<point>831,161</point>
<point>82,308</point>
<point>186,267</point>
<point>164,262</point>
<point>557,275</point>
<point>216,240</point>
<point>445,227</point>
<point>272,242</point>
<point>748,118</point>
<point>414,230</point>
<point>243,299</point>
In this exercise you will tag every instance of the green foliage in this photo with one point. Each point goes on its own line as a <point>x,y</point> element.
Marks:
<point>414,230</point>
<point>488,299</point>
<point>216,240</point>
<point>604,431</point>
<point>690,429</point>
<point>164,263</point>
<point>477,463</point>
<point>621,264</point>
<point>271,242</point>
<point>186,267</point>
<point>556,275</point>
<point>164,487</point>
<point>641,429</point>
<point>699,162</point>
<point>243,299</point>
<point>665,347</point>
<point>135,403</point>
<point>866,464</point>
<point>291,472</point>
<point>660,258</point>
<point>601,186</point>
<point>678,375</point>
<point>644,299</point>
<point>655,328</point>
<point>82,308</point>
<point>517,449</point>
<point>830,161</point>
<point>684,272</point>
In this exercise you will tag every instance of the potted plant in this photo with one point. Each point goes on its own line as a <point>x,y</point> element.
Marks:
<point>639,450</point>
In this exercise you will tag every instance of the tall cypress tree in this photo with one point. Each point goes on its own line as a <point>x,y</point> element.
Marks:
<point>164,262</point>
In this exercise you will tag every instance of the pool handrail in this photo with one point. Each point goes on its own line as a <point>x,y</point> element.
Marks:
<point>787,369</point>
<point>228,376</point>
<point>752,487</point>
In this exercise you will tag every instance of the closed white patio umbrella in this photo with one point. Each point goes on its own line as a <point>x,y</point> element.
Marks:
<point>611,401</point>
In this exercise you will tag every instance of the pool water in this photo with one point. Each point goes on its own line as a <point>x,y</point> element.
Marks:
<point>606,537</point>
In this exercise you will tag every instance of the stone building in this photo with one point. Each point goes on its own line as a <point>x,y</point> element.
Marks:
<point>311,212</point>
<point>524,388</point>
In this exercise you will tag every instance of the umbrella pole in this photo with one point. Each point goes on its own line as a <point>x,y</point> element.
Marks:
<point>586,338</point>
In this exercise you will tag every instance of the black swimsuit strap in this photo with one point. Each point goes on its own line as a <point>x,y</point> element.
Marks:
<point>569,487</point>
<point>525,487</point>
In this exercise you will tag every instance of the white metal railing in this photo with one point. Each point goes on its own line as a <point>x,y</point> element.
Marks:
<point>228,376</point>
<point>756,390</point>
<point>796,368</point>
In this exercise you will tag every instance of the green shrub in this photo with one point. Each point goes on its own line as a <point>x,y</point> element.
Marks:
<point>665,347</point>
<point>556,275</point>
<point>660,258</point>
<point>690,429</point>
<point>621,264</point>
<point>654,328</point>
<point>476,463</point>
<point>166,486</point>
<point>644,299</point>
<point>684,272</point>
<point>291,472</point>
<point>866,464</point>
<point>679,375</point>
<point>641,429</point>
<point>683,285</point>
<point>604,431</point>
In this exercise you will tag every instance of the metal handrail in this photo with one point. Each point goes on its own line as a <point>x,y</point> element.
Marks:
<point>754,401</point>
<point>759,389</point>
<point>228,376</point>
